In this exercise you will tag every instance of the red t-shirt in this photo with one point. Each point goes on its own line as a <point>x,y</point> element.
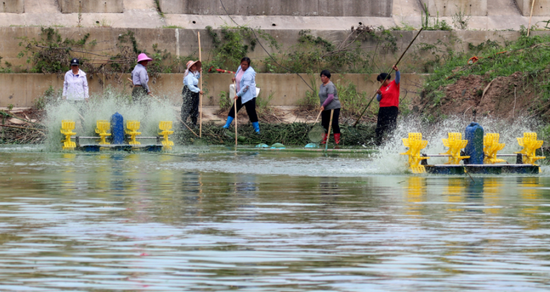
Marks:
<point>390,95</point>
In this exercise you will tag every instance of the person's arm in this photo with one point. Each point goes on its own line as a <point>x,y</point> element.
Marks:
<point>189,82</point>
<point>330,92</point>
<point>247,81</point>
<point>397,77</point>
<point>86,88</point>
<point>143,79</point>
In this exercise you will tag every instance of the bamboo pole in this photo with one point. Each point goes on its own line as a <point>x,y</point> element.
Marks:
<point>200,87</point>
<point>391,71</point>
<point>235,107</point>
<point>530,16</point>
<point>329,128</point>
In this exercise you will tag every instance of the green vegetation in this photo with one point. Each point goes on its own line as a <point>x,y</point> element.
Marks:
<point>51,53</point>
<point>435,24</point>
<point>294,134</point>
<point>231,44</point>
<point>529,55</point>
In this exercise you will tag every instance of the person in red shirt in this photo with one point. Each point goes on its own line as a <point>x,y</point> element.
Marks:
<point>388,96</point>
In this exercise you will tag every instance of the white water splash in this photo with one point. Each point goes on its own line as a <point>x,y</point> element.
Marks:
<point>388,159</point>
<point>102,107</point>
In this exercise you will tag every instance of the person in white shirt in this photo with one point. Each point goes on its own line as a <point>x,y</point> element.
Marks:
<point>191,91</point>
<point>75,86</point>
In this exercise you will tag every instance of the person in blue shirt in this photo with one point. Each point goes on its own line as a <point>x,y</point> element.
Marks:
<point>191,91</point>
<point>245,79</point>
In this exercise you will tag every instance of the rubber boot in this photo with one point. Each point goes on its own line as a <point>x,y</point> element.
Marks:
<point>256,126</point>
<point>229,121</point>
<point>324,139</point>
<point>337,138</point>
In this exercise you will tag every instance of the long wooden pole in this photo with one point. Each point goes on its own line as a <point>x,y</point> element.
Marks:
<point>329,128</point>
<point>530,16</point>
<point>391,71</point>
<point>200,87</point>
<point>235,108</point>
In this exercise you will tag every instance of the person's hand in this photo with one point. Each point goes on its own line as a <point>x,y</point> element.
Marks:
<point>379,91</point>
<point>235,98</point>
<point>233,79</point>
<point>395,68</point>
<point>201,92</point>
<point>150,93</point>
<point>322,108</point>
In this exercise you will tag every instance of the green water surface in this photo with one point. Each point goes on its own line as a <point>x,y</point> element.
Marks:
<point>215,220</point>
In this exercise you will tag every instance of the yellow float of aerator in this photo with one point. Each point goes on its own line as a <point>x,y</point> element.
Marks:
<point>415,145</point>
<point>102,127</point>
<point>165,127</point>
<point>455,145</point>
<point>530,145</point>
<point>131,129</point>
<point>491,146</point>
<point>67,127</point>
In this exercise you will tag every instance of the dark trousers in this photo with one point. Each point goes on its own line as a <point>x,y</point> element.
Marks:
<point>387,122</point>
<point>190,106</point>
<point>250,109</point>
<point>325,120</point>
<point>138,94</point>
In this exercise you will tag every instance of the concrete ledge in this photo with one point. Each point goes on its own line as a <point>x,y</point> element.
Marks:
<point>452,7</point>
<point>381,8</point>
<point>12,6</point>
<point>91,6</point>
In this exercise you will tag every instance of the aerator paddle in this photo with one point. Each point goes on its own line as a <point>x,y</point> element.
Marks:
<point>391,71</point>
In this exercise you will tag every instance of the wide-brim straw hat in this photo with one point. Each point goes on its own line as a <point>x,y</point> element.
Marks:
<point>190,64</point>
<point>142,57</point>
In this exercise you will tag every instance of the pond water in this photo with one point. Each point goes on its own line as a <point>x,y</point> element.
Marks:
<point>215,220</point>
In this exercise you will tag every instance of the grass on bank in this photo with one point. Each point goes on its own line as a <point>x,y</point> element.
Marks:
<point>529,55</point>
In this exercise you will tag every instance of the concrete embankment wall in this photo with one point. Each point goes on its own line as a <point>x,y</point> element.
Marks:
<point>183,42</point>
<point>22,90</point>
<point>91,6</point>
<point>381,8</point>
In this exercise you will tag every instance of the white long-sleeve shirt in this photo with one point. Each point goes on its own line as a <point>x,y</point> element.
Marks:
<point>192,81</point>
<point>75,86</point>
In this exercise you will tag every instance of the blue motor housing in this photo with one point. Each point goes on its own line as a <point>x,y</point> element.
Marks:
<point>117,128</point>
<point>474,149</point>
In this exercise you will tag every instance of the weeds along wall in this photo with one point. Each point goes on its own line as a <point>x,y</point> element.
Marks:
<point>298,51</point>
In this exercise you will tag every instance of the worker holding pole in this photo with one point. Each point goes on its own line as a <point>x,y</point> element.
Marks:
<point>191,91</point>
<point>388,96</point>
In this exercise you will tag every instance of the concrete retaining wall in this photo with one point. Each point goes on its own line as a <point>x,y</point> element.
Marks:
<point>91,6</point>
<point>286,89</point>
<point>541,8</point>
<point>12,6</point>
<point>380,8</point>
<point>183,42</point>
<point>452,7</point>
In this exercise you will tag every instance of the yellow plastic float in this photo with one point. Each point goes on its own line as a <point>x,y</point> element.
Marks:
<point>131,130</point>
<point>67,127</point>
<point>165,128</point>
<point>415,145</point>
<point>530,145</point>
<point>102,127</point>
<point>491,146</point>
<point>455,145</point>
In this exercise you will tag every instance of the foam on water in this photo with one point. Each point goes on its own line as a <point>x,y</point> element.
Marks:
<point>102,107</point>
